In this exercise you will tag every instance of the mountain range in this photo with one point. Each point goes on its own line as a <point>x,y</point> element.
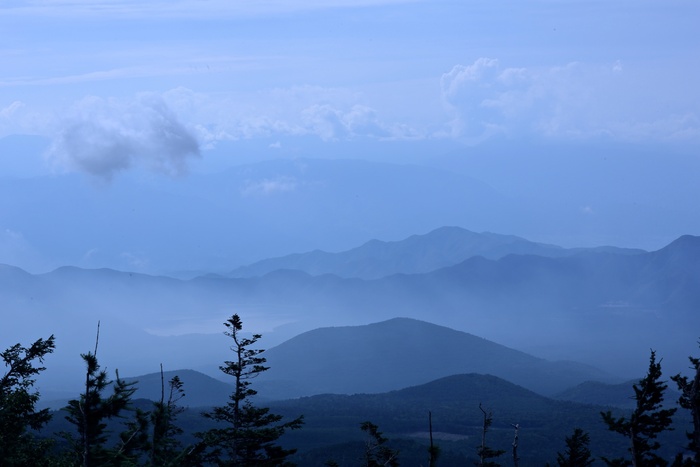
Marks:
<point>584,306</point>
<point>442,247</point>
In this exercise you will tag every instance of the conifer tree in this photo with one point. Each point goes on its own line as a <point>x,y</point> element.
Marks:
<point>486,453</point>
<point>646,422</point>
<point>690,400</point>
<point>18,413</point>
<point>250,435</point>
<point>165,448</point>
<point>577,453</point>
<point>90,412</point>
<point>377,454</point>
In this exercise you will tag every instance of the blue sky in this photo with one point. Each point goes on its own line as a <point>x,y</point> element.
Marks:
<point>470,71</point>
<point>162,87</point>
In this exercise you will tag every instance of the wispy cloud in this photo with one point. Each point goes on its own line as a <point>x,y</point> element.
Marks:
<point>571,101</point>
<point>267,187</point>
<point>179,8</point>
<point>104,136</point>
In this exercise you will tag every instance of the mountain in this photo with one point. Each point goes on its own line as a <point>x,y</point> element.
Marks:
<point>437,249</point>
<point>402,352</point>
<point>599,393</point>
<point>332,422</point>
<point>200,390</point>
<point>601,308</point>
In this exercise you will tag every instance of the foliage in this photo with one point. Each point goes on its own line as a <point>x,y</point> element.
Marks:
<point>377,454</point>
<point>90,412</point>
<point>577,453</point>
<point>18,412</point>
<point>252,432</point>
<point>646,422</point>
<point>690,400</point>
<point>165,447</point>
<point>485,452</point>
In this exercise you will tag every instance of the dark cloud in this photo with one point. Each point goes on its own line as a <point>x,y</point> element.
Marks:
<point>102,137</point>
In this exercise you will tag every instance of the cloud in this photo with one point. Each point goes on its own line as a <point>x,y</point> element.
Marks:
<point>330,123</point>
<point>331,114</point>
<point>182,8</point>
<point>105,136</point>
<point>266,187</point>
<point>16,250</point>
<point>134,261</point>
<point>571,101</point>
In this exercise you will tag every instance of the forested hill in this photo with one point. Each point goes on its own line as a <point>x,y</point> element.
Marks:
<point>403,352</point>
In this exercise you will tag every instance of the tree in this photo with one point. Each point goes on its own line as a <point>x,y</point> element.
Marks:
<point>377,454</point>
<point>646,421</point>
<point>251,432</point>
<point>484,452</point>
<point>90,412</point>
<point>433,450</point>
<point>690,400</point>
<point>165,448</point>
<point>577,453</point>
<point>18,412</point>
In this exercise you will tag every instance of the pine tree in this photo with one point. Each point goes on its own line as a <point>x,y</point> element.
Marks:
<point>18,412</point>
<point>486,453</point>
<point>646,422</point>
<point>690,400</point>
<point>577,453</point>
<point>90,412</point>
<point>250,434</point>
<point>377,454</point>
<point>165,448</point>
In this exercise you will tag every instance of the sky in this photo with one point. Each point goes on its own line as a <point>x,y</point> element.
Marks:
<point>113,88</point>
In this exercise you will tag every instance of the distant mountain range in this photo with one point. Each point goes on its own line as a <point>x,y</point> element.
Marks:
<point>605,308</point>
<point>417,254</point>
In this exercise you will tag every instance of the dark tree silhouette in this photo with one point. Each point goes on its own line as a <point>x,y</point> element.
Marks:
<point>486,453</point>
<point>18,412</point>
<point>377,454</point>
<point>252,432</point>
<point>690,400</point>
<point>646,421</point>
<point>166,449</point>
<point>577,453</point>
<point>90,412</point>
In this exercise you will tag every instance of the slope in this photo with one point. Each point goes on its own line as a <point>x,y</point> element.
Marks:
<point>402,352</point>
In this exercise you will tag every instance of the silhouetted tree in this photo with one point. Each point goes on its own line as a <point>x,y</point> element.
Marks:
<point>91,410</point>
<point>484,452</point>
<point>577,453</point>
<point>251,434</point>
<point>377,454</point>
<point>166,448</point>
<point>433,450</point>
<point>646,421</point>
<point>18,412</point>
<point>690,400</point>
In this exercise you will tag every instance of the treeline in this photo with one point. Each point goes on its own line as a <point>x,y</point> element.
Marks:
<point>243,434</point>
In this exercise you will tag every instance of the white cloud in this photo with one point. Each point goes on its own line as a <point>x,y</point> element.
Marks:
<point>576,100</point>
<point>266,187</point>
<point>104,136</point>
<point>135,261</point>
<point>16,250</point>
<point>328,113</point>
<point>178,8</point>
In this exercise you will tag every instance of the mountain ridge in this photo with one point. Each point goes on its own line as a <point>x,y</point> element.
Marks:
<point>441,247</point>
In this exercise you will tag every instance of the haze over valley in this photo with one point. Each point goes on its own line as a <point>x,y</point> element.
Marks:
<point>409,200</point>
